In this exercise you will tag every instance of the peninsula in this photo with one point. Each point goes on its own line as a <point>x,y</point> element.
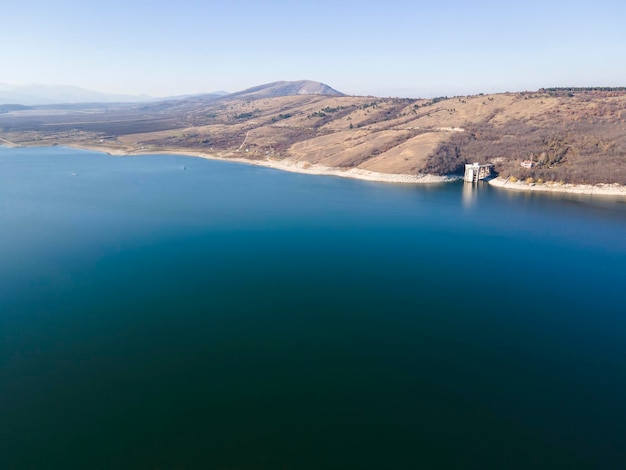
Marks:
<point>550,139</point>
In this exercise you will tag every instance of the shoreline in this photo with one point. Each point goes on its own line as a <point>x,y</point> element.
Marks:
<point>601,189</point>
<point>282,165</point>
<point>293,166</point>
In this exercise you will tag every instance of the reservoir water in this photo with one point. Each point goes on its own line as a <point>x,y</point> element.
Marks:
<point>172,312</point>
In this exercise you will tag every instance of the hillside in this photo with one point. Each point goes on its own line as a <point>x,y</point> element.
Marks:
<point>576,135</point>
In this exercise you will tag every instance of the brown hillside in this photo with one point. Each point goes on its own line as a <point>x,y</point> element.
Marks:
<point>577,136</point>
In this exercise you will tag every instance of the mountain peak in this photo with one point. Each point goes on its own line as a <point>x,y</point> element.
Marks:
<point>285,88</point>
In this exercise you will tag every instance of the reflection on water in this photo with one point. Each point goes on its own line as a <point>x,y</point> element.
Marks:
<point>470,194</point>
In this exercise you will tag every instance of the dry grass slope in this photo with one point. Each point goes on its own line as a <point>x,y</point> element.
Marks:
<point>575,136</point>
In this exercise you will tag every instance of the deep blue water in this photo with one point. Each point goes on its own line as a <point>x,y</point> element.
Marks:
<point>172,312</point>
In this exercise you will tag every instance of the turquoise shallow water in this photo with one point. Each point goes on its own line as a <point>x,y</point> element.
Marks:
<point>163,311</point>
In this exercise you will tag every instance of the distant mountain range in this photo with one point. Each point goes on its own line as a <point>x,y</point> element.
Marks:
<point>36,94</point>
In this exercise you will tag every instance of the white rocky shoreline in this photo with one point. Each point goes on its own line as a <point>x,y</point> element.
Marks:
<point>286,164</point>
<point>602,189</point>
<point>595,189</point>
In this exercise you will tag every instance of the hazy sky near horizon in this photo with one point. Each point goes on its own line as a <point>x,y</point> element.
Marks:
<point>391,48</point>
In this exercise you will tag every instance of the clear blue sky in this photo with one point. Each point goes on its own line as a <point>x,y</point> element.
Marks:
<point>386,48</point>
